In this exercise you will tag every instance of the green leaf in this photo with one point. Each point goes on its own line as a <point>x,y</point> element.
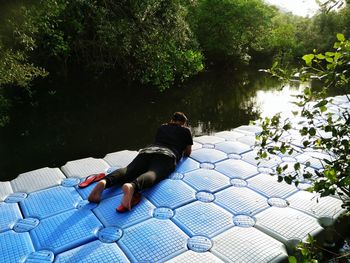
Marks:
<point>330,54</point>
<point>321,103</point>
<point>292,259</point>
<point>320,56</point>
<point>308,59</point>
<point>341,37</point>
<point>312,131</point>
<point>296,166</point>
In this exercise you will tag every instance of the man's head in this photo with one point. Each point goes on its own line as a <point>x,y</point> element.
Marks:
<point>179,117</point>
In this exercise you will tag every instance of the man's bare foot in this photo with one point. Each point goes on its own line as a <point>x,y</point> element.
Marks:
<point>128,190</point>
<point>95,195</point>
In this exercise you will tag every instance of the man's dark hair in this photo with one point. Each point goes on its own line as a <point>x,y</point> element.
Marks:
<point>179,116</point>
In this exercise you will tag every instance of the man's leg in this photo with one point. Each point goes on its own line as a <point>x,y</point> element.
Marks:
<point>119,177</point>
<point>160,167</point>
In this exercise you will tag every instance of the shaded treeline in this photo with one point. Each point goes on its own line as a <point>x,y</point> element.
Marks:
<point>155,43</point>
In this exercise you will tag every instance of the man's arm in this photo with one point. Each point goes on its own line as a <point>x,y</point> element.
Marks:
<point>188,150</point>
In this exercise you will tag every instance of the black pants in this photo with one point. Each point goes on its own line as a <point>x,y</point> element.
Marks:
<point>144,171</point>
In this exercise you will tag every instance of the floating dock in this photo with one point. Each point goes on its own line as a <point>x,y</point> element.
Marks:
<point>220,205</point>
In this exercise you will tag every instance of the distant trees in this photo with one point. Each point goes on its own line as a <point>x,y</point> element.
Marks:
<point>153,42</point>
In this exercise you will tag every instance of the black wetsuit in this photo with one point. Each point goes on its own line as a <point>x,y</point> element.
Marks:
<point>156,162</point>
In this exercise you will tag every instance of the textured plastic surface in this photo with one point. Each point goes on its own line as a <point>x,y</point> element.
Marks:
<point>241,200</point>
<point>287,225</point>
<point>107,193</point>
<point>110,234</point>
<point>247,245</point>
<point>109,217</point>
<point>205,219</point>
<point>236,169</point>
<point>208,155</point>
<point>186,165</point>
<point>249,129</point>
<point>96,252</point>
<point>84,167</point>
<point>195,257</point>
<point>314,205</point>
<point>250,158</point>
<point>153,240</point>
<point>207,139</point>
<point>26,224</point>
<point>170,193</point>
<point>206,180</point>
<point>70,182</point>
<point>15,246</point>
<point>121,158</point>
<point>37,180</point>
<point>232,147</point>
<point>50,201</point>
<point>229,135</point>
<point>5,190</point>
<point>65,231</point>
<point>42,256</point>
<point>268,186</point>
<point>199,244</point>
<point>10,213</point>
<point>15,197</point>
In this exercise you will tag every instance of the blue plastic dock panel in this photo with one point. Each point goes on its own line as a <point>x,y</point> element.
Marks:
<point>170,193</point>
<point>186,165</point>
<point>241,200</point>
<point>153,240</point>
<point>107,193</point>
<point>236,169</point>
<point>66,230</point>
<point>50,201</point>
<point>205,219</point>
<point>208,155</point>
<point>10,213</point>
<point>95,252</point>
<point>232,147</point>
<point>206,180</point>
<point>14,246</point>
<point>107,214</point>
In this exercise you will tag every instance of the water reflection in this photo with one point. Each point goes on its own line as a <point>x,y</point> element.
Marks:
<point>82,118</point>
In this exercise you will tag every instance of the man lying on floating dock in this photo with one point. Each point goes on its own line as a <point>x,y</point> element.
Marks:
<point>153,164</point>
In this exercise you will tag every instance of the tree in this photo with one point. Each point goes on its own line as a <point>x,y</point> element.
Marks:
<point>327,133</point>
<point>227,29</point>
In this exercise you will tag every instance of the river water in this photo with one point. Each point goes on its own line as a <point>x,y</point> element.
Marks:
<point>80,117</point>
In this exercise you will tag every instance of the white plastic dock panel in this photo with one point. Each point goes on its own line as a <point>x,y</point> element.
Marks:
<point>269,186</point>
<point>287,225</point>
<point>249,129</point>
<point>250,158</point>
<point>208,139</point>
<point>246,245</point>
<point>37,180</point>
<point>229,135</point>
<point>248,140</point>
<point>121,158</point>
<point>84,167</point>
<point>5,190</point>
<point>325,208</point>
<point>195,257</point>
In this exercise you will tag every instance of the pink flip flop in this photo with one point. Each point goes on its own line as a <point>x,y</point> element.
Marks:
<point>91,179</point>
<point>134,201</point>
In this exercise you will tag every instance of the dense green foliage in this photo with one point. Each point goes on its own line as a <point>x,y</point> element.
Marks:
<point>324,131</point>
<point>229,28</point>
<point>155,43</point>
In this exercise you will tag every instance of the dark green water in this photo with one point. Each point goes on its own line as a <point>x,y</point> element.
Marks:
<point>82,118</point>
